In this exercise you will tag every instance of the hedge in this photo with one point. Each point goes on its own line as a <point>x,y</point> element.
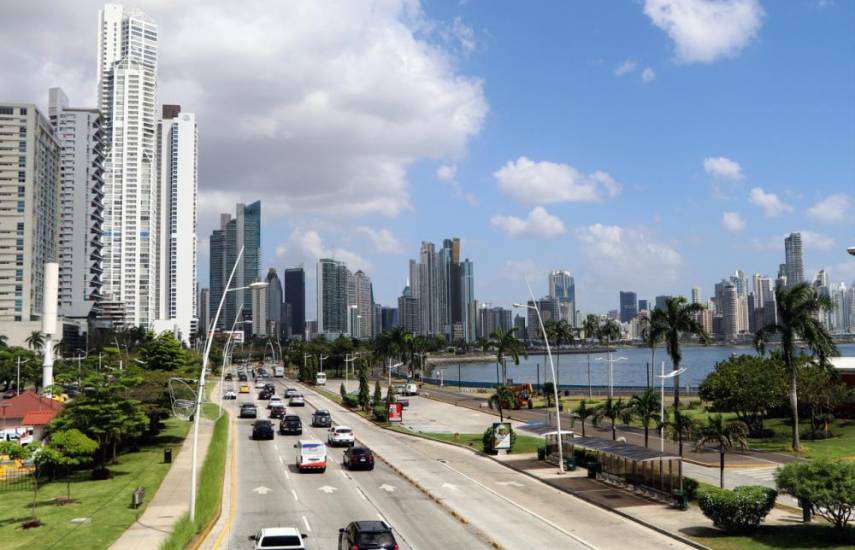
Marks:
<point>737,511</point>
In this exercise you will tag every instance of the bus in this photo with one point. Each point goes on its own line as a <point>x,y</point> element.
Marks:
<point>321,379</point>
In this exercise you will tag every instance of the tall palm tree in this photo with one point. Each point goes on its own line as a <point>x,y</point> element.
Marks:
<point>591,327</point>
<point>645,406</point>
<point>35,341</point>
<point>507,344</point>
<point>725,437</point>
<point>502,399</point>
<point>562,333</point>
<point>669,324</point>
<point>798,319</point>
<point>583,411</point>
<point>611,409</point>
<point>609,332</point>
<point>651,341</point>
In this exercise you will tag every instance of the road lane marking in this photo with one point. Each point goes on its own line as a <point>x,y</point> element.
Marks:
<point>328,489</point>
<point>287,475</point>
<point>275,446</point>
<point>306,523</point>
<point>262,490</point>
<point>294,494</point>
<point>281,461</point>
<point>388,488</point>
<point>361,493</point>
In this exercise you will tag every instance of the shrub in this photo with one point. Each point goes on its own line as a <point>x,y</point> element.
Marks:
<point>350,401</point>
<point>828,486</point>
<point>690,488</point>
<point>739,510</point>
<point>381,413</point>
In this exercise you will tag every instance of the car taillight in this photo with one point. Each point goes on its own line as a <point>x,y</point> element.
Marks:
<point>354,547</point>
<point>396,547</point>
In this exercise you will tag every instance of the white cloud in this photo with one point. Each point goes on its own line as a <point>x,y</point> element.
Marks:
<point>832,209</point>
<point>532,182</point>
<point>817,241</point>
<point>723,167</point>
<point>383,240</point>
<point>769,202</point>
<point>706,30</point>
<point>539,223</point>
<point>306,247</point>
<point>619,256</point>
<point>518,270</point>
<point>626,67</point>
<point>732,221</point>
<point>447,172</point>
<point>647,75</point>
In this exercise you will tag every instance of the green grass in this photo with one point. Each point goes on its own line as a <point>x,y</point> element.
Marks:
<point>769,537</point>
<point>842,445</point>
<point>523,444</point>
<point>106,502</point>
<point>210,491</point>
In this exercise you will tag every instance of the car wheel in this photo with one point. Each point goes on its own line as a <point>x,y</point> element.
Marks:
<point>323,469</point>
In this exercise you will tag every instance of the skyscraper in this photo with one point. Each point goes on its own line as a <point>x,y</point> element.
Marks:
<point>444,291</point>
<point>127,98</point>
<point>258,307</point>
<point>660,301</point>
<point>730,311</point>
<point>467,298</point>
<point>628,306</point>
<point>408,311</point>
<point>274,304</point>
<point>295,301</point>
<point>332,297</point>
<point>177,190</point>
<point>696,295</point>
<point>361,295</point>
<point>793,259</point>
<point>643,305</point>
<point>562,288</point>
<point>203,309</point>
<point>81,137</point>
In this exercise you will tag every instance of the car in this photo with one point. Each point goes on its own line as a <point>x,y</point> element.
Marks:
<point>270,387</point>
<point>228,377</point>
<point>262,429</point>
<point>358,457</point>
<point>242,377</point>
<point>274,400</point>
<point>297,400</point>
<point>279,538</point>
<point>244,388</point>
<point>290,425</point>
<point>277,410</point>
<point>248,410</point>
<point>229,394</point>
<point>311,455</point>
<point>411,389</point>
<point>321,419</point>
<point>264,395</point>
<point>400,389</point>
<point>290,392</point>
<point>259,385</point>
<point>9,394</point>
<point>340,436</point>
<point>360,535</point>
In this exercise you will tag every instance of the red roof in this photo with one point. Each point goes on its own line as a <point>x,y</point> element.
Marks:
<point>28,402</point>
<point>39,418</point>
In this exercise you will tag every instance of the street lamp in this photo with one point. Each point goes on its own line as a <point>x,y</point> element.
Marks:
<point>391,366</point>
<point>322,357</point>
<point>351,357</point>
<point>663,376</point>
<point>851,250</point>
<point>226,352</point>
<point>611,371</point>
<point>552,368</point>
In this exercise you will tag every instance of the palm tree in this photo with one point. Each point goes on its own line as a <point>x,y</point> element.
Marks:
<point>591,327</point>
<point>645,406</point>
<point>502,399</point>
<point>507,344</point>
<point>651,341</point>
<point>559,333</point>
<point>611,409</point>
<point>35,341</point>
<point>798,318</point>
<point>725,437</point>
<point>668,324</point>
<point>583,411</point>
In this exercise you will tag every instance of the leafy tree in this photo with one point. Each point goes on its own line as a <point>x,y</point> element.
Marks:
<point>15,451</point>
<point>591,327</point>
<point>827,487</point>
<point>822,392</point>
<point>646,407</point>
<point>612,409</point>
<point>378,394</point>
<point>364,390</point>
<point>737,511</point>
<point>502,399</point>
<point>549,393</point>
<point>343,392</point>
<point>35,341</point>
<point>650,339</point>
<point>798,319</point>
<point>669,324</point>
<point>67,450</point>
<point>164,353</point>
<point>559,334</point>
<point>725,437</point>
<point>747,385</point>
<point>507,344</point>
<point>583,412</point>
<point>31,369</point>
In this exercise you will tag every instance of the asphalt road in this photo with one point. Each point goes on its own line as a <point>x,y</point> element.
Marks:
<point>271,493</point>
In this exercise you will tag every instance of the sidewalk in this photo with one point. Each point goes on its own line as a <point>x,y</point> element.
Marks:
<point>171,499</point>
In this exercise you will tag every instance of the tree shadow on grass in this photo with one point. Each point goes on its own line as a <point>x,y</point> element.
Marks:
<point>815,535</point>
<point>9,521</point>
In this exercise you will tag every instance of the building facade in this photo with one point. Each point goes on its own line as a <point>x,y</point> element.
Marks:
<point>295,302</point>
<point>562,287</point>
<point>332,297</point>
<point>274,304</point>
<point>794,268</point>
<point>628,306</point>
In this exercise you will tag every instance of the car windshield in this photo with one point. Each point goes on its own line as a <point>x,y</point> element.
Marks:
<point>375,540</point>
<point>358,451</point>
<point>280,541</point>
<point>311,445</point>
<point>343,430</point>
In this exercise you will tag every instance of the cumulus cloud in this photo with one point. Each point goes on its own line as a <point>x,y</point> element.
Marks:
<point>832,209</point>
<point>316,107</point>
<point>307,247</point>
<point>539,223</point>
<point>811,240</point>
<point>626,67</point>
<point>769,202</point>
<point>647,75</point>
<point>733,222</point>
<point>542,182</point>
<point>723,167</point>
<point>447,172</point>
<point>706,30</point>
<point>383,240</point>
<point>518,270</point>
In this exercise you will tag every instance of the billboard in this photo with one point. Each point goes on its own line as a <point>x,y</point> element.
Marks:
<point>396,412</point>
<point>501,436</point>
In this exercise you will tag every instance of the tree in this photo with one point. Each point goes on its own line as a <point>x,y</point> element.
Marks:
<point>35,341</point>
<point>364,396</point>
<point>646,406</point>
<point>827,487</point>
<point>724,436</point>
<point>650,340</point>
<point>342,390</point>
<point>549,393</point>
<point>611,409</point>
<point>591,327</point>
<point>378,394</point>
<point>507,344</point>
<point>67,449</point>
<point>747,385</point>
<point>822,392</point>
<point>163,353</point>
<point>559,333</point>
<point>583,412</point>
<point>798,319</point>
<point>669,324</point>
<point>502,399</point>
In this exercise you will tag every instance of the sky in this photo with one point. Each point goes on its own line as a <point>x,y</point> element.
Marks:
<point>651,146</point>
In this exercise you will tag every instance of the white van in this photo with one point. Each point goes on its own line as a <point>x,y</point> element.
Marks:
<point>278,371</point>
<point>411,389</point>
<point>311,455</point>
<point>321,379</point>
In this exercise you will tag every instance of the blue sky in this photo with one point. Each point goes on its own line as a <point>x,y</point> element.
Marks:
<point>649,145</point>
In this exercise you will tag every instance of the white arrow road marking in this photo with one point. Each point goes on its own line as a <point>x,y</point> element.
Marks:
<point>286,473</point>
<point>327,489</point>
<point>262,490</point>
<point>388,488</point>
<point>294,494</point>
<point>451,486</point>
<point>514,483</point>
<point>306,523</point>
<point>280,460</point>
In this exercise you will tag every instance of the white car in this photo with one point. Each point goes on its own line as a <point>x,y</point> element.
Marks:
<point>275,400</point>
<point>279,538</point>
<point>290,392</point>
<point>297,400</point>
<point>340,435</point>
<point>411,389</point>
<point>260,385</point>
<point>229,394</point>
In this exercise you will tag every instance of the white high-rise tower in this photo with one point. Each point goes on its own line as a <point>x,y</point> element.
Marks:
<point>127,98</point>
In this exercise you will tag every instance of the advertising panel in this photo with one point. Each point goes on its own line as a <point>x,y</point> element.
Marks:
<point>396,412</point>
<point>501,436</point>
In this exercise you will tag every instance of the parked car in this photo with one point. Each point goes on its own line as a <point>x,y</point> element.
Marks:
<point>400,389</point>
<point>290,425</point>
<point>411,389</point>
<point>356,458</point>
<point>274,400</point>
<point>277,410</point>
<point>248,410</point>
<point>311,455</point>
<point>297,401</point>
<point>340,436</point>
<point>321,419</point>
<point>279,538</point>
<point>262,429</point>
<point>229,394</point>
<point>360,535</point>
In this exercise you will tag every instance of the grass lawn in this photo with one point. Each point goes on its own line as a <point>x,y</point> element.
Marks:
<point>522,445</point>
<point>842,445</point>
<point>107,502</point>
<point>792,537</point>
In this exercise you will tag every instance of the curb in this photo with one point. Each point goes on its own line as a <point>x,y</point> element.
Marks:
<point>197,541</point>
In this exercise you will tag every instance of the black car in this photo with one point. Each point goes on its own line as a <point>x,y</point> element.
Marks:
<point>290,425</point>
<point>359,535</point>
<point>262,429</point>
<point>277,410</point>
<point>265,394</point>
<point>270,387</point>
<point>242,377</point>
<point>356,458</point>
<point>228,377</point>
<point>321,419</point>
<point>248,410</point>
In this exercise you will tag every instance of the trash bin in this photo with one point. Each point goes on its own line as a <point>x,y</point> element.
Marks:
<point>593,467</point>
<point>541,453</point>
<point>570,463</point>
<point>681,500</point>
<point>167,455</point>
